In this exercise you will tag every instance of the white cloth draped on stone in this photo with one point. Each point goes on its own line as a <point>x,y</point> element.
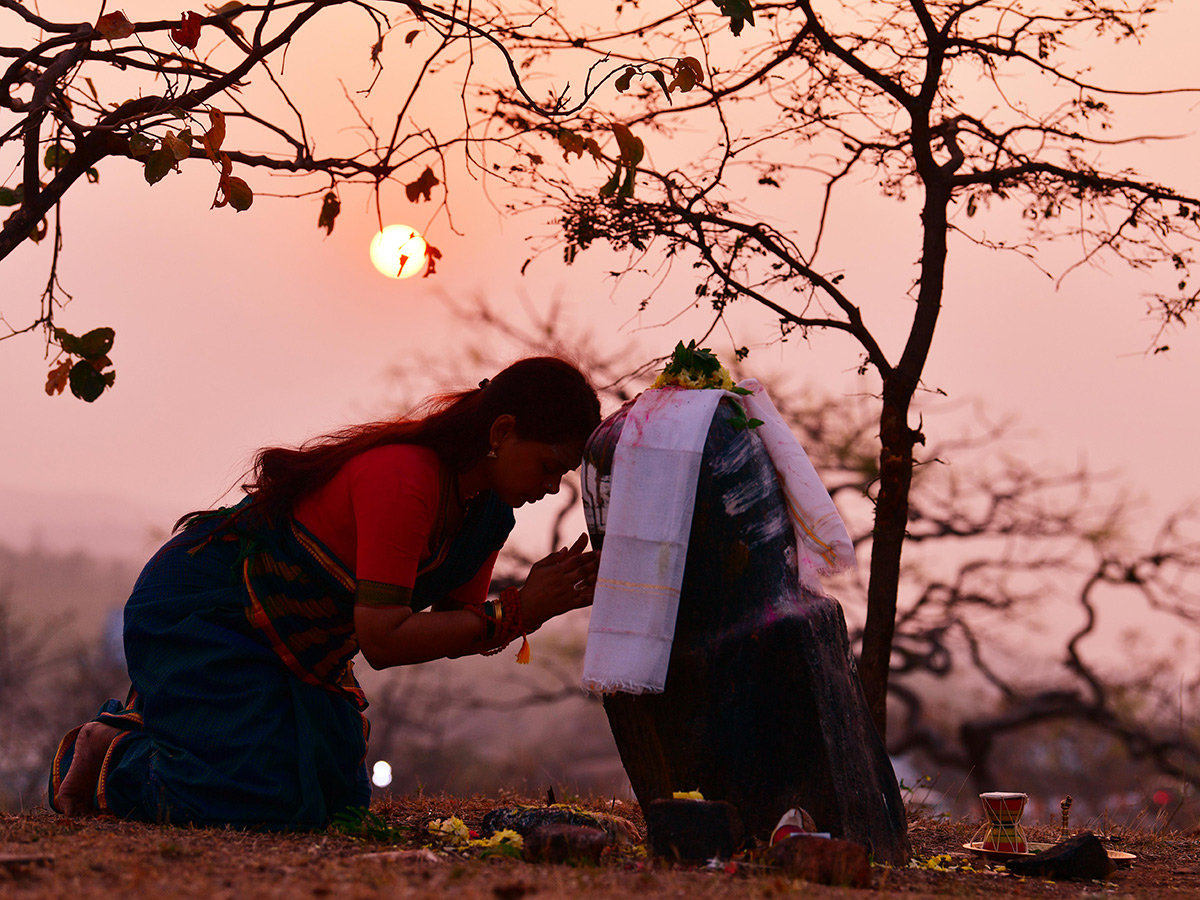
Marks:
<point>649,518</point>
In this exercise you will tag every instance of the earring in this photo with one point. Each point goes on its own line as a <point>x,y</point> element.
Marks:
<point>491,454</point>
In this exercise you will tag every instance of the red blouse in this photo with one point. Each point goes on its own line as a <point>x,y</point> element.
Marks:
<point>381,514</point>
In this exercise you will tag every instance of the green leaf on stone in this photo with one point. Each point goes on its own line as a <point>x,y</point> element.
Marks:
<point>692,359</point>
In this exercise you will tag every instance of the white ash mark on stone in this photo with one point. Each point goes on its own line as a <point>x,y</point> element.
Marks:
<point>734,458</point>
<point>748,494</point>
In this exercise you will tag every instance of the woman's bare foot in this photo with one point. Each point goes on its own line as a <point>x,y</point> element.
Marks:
<point>78,788</point>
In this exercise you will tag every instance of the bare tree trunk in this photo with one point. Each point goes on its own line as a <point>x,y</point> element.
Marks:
<point>891,518</point>
<point>897,439</point>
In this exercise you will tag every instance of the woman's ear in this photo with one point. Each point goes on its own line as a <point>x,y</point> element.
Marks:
<point>503,427</point>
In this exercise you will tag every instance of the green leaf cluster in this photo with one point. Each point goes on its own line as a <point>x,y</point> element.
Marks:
<point>692,360</point>
<point>701,363</point>
<point>739,421</point>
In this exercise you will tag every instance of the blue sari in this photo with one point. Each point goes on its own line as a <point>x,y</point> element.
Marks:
<point>243,708</point>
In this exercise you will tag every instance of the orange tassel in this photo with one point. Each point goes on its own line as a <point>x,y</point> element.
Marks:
<point>523,655</point>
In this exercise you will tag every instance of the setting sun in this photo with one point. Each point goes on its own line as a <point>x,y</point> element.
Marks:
<point>398,251</point>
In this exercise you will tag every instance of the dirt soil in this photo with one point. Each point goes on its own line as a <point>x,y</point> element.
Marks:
<point>47,857</point>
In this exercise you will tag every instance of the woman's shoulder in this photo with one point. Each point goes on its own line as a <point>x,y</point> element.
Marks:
<point>406,460</point>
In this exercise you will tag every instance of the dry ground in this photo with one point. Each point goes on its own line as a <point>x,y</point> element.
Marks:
<point>45,857</point>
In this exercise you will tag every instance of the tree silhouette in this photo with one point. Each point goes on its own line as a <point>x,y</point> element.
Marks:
<point>953,108</point>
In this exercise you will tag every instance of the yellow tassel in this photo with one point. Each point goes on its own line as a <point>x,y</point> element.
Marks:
<point>523,655</point>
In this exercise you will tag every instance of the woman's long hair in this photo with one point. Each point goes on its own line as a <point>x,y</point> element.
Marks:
<point>550,399</point>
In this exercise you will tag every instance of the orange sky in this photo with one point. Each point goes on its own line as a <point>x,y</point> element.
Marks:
<point>239,330</point>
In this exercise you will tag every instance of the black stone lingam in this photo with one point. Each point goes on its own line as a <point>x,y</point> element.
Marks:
<point>763,707</point>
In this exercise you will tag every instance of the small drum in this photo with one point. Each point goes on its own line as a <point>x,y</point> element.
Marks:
<point>1004,832</point>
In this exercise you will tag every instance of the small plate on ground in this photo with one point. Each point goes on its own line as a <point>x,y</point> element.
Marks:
<point>1119,857</point>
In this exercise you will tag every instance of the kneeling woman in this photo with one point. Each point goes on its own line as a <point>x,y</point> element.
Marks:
<point>239,635</point>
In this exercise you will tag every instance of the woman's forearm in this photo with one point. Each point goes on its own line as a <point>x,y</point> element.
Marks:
<point>422,637</point>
